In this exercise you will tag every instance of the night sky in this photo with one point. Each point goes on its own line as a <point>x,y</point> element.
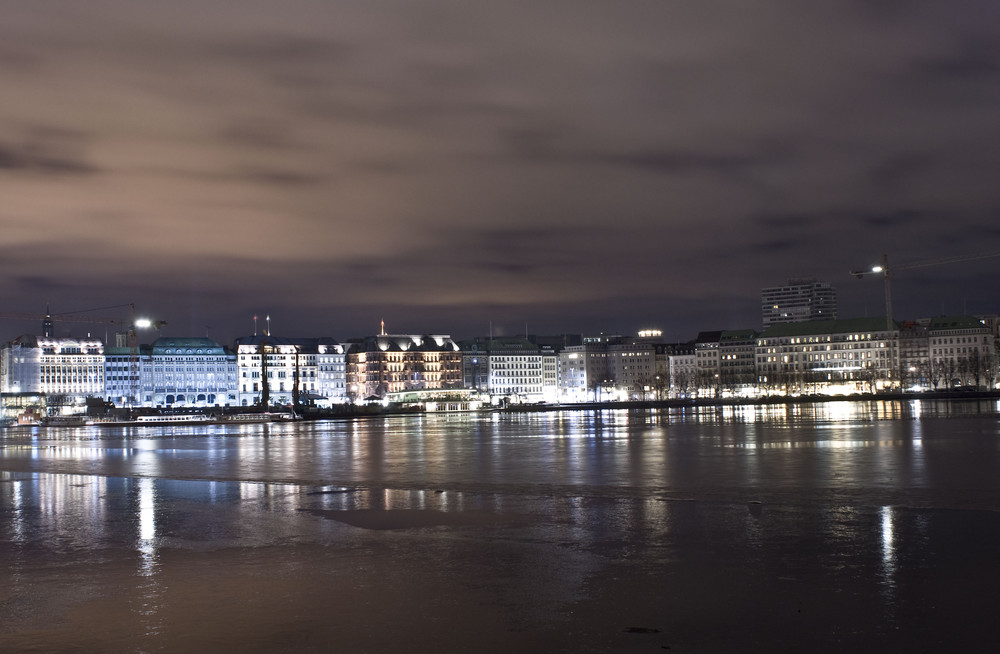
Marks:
<point>584,166</point>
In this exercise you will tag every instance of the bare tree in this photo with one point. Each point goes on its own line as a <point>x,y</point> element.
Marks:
<point>976,367</point>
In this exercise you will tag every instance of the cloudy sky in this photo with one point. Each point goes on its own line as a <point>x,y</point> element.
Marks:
<point>573,166</point>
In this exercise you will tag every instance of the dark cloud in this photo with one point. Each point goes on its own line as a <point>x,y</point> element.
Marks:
<point>19,59</point>
<point>775,246</point>
<point>554,146</point>
<point>894,220</point>
<point>45,152</point>
<point>977,61</point>
<point>38,284</point>
<point>778,221</point>
<point>278,49</point>
<point>260,133</point>
<point>441,164</point>
<point>278,178</point>
<point>669,162</point>
<point>896,170</point>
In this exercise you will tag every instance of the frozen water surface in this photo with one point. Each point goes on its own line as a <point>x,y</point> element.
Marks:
<point>823,528</point>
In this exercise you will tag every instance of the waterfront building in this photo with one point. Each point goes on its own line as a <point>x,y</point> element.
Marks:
<point>390,363</point>
<point>186,372</point>
<point>276,370</point>
<point>842,356</point>
<point>708,362</point>
<point>683,369</point>
<point>573,385</point>
<point>738,362</point>
<point>635,364</point>
<point>125,368</point>
<point>799,300</point>
<point>584,371</point>
<point>914,359</point>
<point>511,370</point>
<point>70,368</point>
<point>962,351</point>
<point>331,373</point>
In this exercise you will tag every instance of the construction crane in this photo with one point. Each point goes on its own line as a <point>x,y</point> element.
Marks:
<point>127,334</point>
<point>48,319</point>
<point>884,270</point>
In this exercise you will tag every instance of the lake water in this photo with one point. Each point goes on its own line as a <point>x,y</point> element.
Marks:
<point>833,527</point>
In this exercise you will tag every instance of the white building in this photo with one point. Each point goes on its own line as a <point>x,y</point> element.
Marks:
<point>683,370</point>
<point>962,352</point>
<point>512,370</point>
<point>314,368</point>
<point>708,359</point>
<point>331,373</point>
<point>68,367</point>
<point>586,374</point>
<point>573,385</point>
<point>186,372</point>
<point>125,368</point>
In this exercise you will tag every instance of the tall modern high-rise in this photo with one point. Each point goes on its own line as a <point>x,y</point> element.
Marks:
<point>799,300</point>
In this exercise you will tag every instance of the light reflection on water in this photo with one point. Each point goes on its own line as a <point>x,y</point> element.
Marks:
<point>729,453</point>
<point>773,448</point>
<point>844,505</point>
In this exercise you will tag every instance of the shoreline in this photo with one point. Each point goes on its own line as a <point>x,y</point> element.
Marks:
<point>351,412</point>
<point>762,401</point>
<point>377,411</point>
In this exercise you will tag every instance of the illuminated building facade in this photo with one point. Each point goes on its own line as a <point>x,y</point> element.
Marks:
<point>311,367</point>
<point>962,351</point>
<point>573,385</point>
<point>391,363</point>
<point>331,373</point>
<point>512,369</point>
<point>68,367</point>
<point>683,370</point>
<point>737,361</point>
<point>708,361</point>
<point>586,372</point>
<point>125,368</point>
<point>854,355</point>
<point>188,372</point>
<point>637,364</point>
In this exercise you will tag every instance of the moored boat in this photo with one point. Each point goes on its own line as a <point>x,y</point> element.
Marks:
<point>66,421</point>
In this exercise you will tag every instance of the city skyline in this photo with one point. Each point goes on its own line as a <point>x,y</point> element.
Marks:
<point>266,324</point>
<point>579,168</point>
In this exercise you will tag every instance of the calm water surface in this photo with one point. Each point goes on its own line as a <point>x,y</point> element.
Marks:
<point>830,527</point>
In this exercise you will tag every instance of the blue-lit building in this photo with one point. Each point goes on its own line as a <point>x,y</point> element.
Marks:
<point>188,372</point>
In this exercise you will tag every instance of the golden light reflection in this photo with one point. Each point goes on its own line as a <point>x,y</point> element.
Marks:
<point>823,444</point>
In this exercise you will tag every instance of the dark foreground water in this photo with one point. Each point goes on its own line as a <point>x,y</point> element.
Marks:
<point>843,527</point>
